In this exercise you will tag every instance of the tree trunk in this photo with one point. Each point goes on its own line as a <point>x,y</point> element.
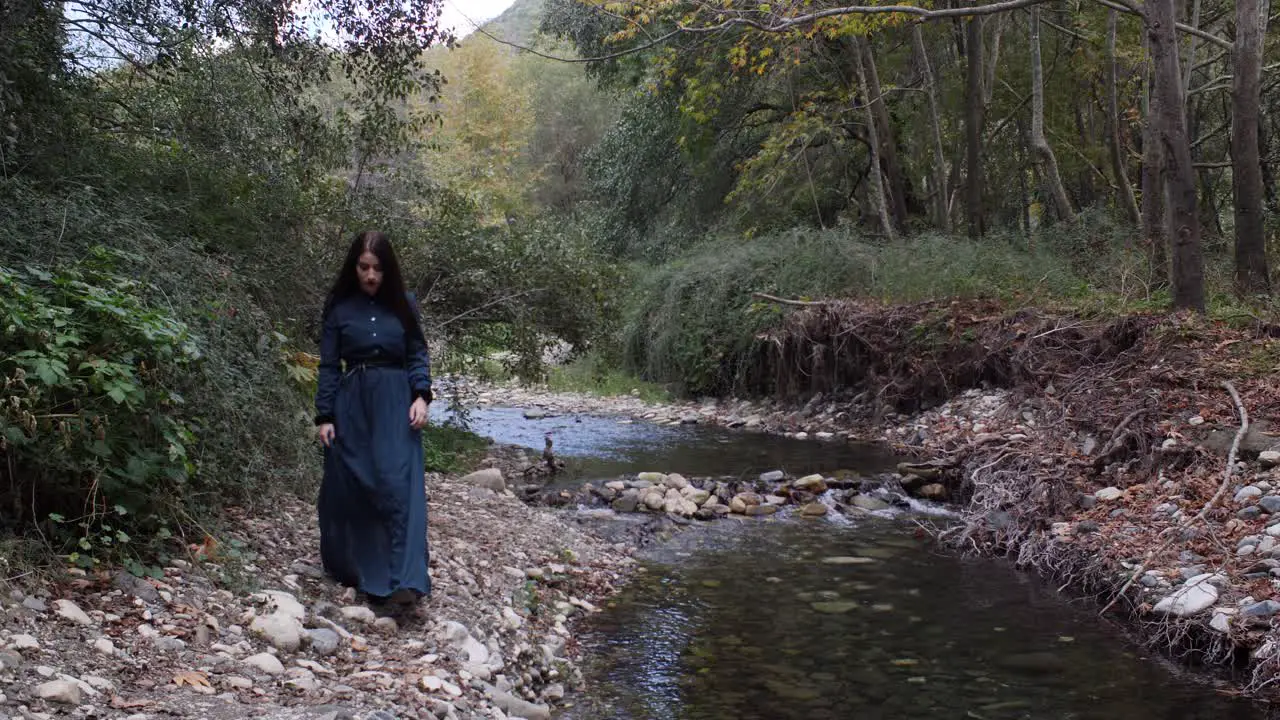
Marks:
<point>897,191</point>
<point>1126,198</point>
<point>875,185</point>
<point>1000,21</point>
<point>973,126</point>
<point>1154,228</point>
<point>1039,143</point>
<point>935,128</point>
<point>1246,165</point>
<point>1170,118</point>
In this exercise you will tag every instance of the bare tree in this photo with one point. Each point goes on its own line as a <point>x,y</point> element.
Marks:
<point>973,125</point>
<point>1039,143</point>
<point>935,128</point>
<point>1124,189</point>
<point>1246,165</point>
<point>1170,124</point>
<point>875,183</point>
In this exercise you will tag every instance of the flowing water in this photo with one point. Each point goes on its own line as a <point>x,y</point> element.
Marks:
<point>796,618</point>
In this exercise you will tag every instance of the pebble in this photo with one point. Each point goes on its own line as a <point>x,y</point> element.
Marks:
<point>24,642</point>
<point>265,662</point>
<point>1270,503</point>
<point>1108,494</point>
<point>1269,458</point>
<point>772,476</point>
<point>104,646</point>
<point>35,604</point>
<point>59,691</point>
<point>70,611</point>
<point>1248,493</point>
<point>360,614</point>
<point>324,641</point>
<point>1266,608</point>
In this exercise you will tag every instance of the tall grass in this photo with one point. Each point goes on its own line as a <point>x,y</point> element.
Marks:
<point>690,322</point>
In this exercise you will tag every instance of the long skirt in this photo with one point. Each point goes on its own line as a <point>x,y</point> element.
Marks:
<point>373,503</point>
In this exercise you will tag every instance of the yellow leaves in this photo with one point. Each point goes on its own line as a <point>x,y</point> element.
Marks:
<point>192,678</point>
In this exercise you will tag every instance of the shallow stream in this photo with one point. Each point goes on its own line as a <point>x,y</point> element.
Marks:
<point>835,618</point>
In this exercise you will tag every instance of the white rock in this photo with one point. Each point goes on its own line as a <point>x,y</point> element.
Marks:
<point>457,635</point>
<point>1221,620</point>
<point>489,478</point>
<point>282,631</point>
<point>1269,458</point>
<point>1108,494</point>
<point>360,614</point>
<point>24,642</point>
<point>98,683</point>
<point>70,611</point>
<point>431,683</point>
<point>282,603</point>
<point>677,481</point>
<point>1192,598</point>
<point>59,691</point>
<point>451,689</point>
<point>512,620</point>
<point>266,662</point>
<point>772,476</point>
<point>104,646</point>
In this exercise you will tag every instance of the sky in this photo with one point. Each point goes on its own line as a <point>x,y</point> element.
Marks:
<point>457,12</point>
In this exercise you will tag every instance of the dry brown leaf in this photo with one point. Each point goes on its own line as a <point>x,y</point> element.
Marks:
<point>192,678</point>
<point>120,703</point>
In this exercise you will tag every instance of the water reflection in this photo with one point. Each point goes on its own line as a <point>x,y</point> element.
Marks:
<point>783,618</point>
<point>601,447</point>
<point>768,628</point>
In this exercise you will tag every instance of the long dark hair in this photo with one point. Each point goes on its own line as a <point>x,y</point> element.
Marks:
<point>391,293</point>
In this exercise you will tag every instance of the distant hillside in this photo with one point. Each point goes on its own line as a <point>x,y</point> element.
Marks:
<point>519,23</point>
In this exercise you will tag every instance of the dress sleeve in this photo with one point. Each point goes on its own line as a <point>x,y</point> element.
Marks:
<point>330,369</point>
<point>418,359</point>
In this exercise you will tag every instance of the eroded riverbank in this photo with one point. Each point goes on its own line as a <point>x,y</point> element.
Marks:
<point>1073,504</point>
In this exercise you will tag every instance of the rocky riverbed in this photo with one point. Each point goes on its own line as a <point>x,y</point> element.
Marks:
<point>1074,503</point>
<point>247,626</point>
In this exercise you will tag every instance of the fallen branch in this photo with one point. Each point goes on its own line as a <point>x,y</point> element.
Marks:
<point>1227,474</point>
<point>785,301</point>
<point>1118,437</point>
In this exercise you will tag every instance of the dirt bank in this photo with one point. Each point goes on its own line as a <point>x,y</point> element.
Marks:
<point>1094,450</point>
<point>248,627</point>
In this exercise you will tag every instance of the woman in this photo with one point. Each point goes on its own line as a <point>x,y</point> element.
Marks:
<point>369,415</point>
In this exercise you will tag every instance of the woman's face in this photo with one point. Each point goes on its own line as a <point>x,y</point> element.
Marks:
<point>369,270</point>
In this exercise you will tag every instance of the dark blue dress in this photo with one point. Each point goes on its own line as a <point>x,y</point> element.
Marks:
<point>372,505</point>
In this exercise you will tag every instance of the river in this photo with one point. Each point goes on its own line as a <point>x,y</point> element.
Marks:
<point>835,618</point>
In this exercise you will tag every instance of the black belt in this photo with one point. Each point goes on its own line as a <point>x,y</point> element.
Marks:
<point>356,365</point>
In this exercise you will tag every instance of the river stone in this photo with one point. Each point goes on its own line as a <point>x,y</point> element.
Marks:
<point>266,662</point>
<point>653,478</point>
<point>490,478</point>
<point>677,481</point>
<point>70,611</point>
<point>1270,503</point>
<point>1247,494</point>
<point>1222,620</point>
<point>653,500</point>
<point>772,476</point>
<point>324,641</point>
<point>1269,458</point>
<point>814,510</point>
<point>1192,598</point>
<point>695,496</point>
<point>627,503</point>
<point>933,491</point>
<point>758,510</point>
<point>847,560</point>
<point>1253,512</point>
<point>1108,494</point>
<point>513,705</point>
<point>866,502</point>
<point>279,629</point>
<point>59,691</point>
<point>360,614</point>
<point>1266,608</point>
<point>811,483</point>
<point>834,607</point>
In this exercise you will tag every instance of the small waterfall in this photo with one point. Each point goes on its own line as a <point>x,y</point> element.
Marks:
<point>834,513</point>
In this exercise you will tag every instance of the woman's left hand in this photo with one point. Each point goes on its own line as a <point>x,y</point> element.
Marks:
<point>418,414</point>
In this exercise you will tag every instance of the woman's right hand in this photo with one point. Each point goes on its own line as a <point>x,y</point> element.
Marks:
<point>326,432</point>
